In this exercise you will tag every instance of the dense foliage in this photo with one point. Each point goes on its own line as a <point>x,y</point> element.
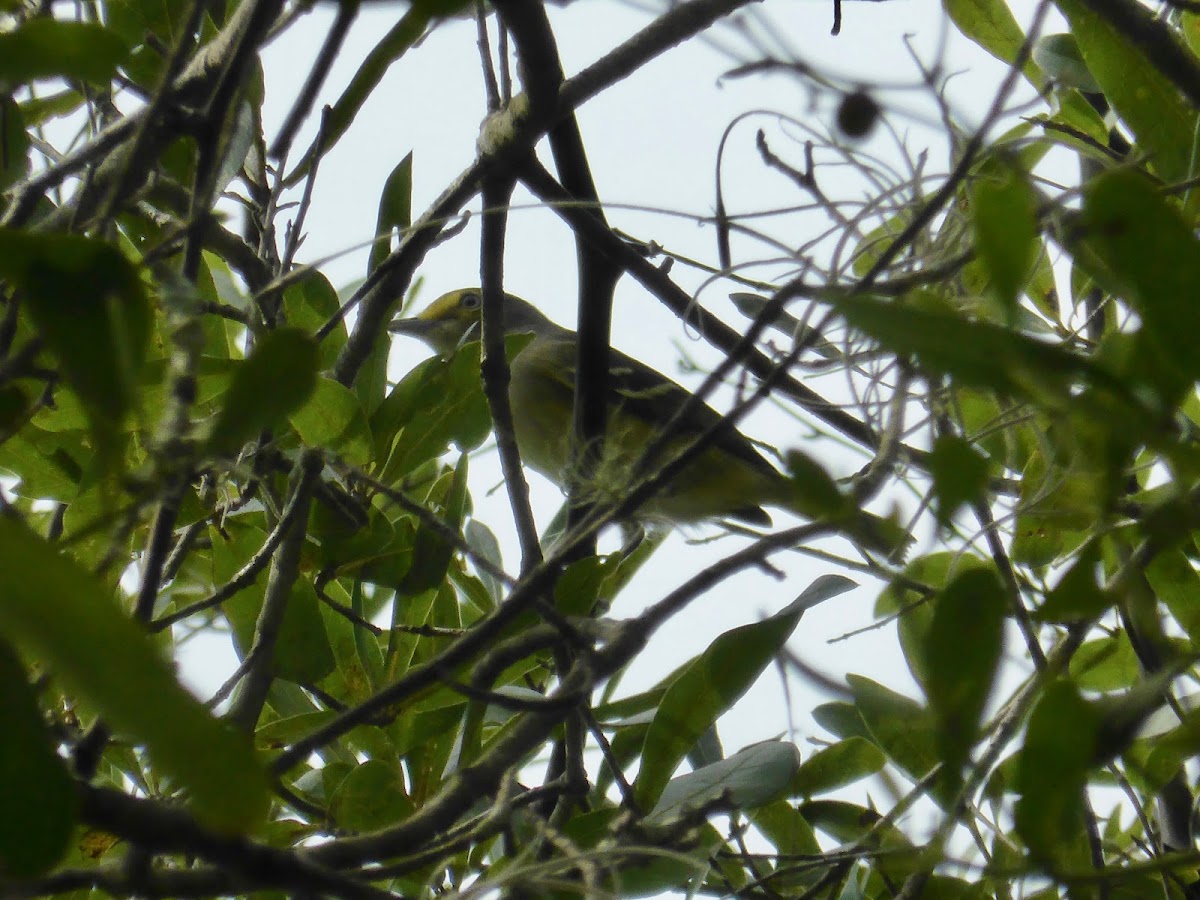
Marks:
<point>198,435</point>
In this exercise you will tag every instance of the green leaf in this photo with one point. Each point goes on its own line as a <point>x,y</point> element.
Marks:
<point>39,796</point>
<point>850,823</point>
<point>1052,772</point>
<point>1144,241</point>
<point>320,785</point>
<point>371,797</point>
<point>46,47</point>
<point>641,876</point>
<point>1058,56</point>
<point>991,25</point>
<point>333,419</point>
<point>310,304</point>
<point>1160,117</point>
<point>710,684</point>
<point>962,655</point>
<point>1004,218</point>
<point>787,830</point>
<point>915,607</point>
<point>439,402</point>
<point>403,35</point>
<point>483,541</point>
<point>1177,585</point>
<point>395,210</point>
<point>40,110</point>
<point>14,141</point>
<point>752,305</point>
<point>87,301</point>
<point>1172,748</point>
<point>395,213</point>
<point>815,493</point>
<point>45,469</point>
<point>1078,595</point>
<point>960,475</point>
<point>578,588</point>
<point>58,612</point>
<point>903,729</point>
<point>980,354</point>
<point>277,378</point>
<point>836,766</point>
<point>842,720</point>
<point>431,553</point>
<point>751,778</point>
<point>873,245</point>
<point>1075,112</point>
<point>1105,664</point>
<point>303,653</point>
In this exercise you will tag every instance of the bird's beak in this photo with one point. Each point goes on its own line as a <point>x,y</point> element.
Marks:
<point>414,327</point>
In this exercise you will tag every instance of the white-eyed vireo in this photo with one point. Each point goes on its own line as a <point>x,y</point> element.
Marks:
<point>728,479</point>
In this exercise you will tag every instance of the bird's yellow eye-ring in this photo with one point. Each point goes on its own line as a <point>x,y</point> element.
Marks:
<point>470,300</point>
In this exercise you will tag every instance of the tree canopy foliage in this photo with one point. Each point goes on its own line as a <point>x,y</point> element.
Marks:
<point>198,435</point>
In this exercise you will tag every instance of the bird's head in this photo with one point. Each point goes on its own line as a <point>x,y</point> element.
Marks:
<point>454,318</point>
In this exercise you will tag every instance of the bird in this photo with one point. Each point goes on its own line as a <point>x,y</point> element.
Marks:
<point>730,479</point>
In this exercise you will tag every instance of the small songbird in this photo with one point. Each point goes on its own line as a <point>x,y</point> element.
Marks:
<point>728,479</point>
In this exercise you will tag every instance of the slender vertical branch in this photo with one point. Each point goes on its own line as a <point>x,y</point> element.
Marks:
<point>248,703</point>
<point>494,365</point>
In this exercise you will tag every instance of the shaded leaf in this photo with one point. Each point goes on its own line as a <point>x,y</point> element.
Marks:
<point>406,32</point>
<point>915,608</point>
<point>277,378</point>
<point>431,553</point>
<point>1052,772</point>
<point>750,778</point>
<point>901,727</point>
<point>978,353</point>
<point>1058,56</point>
<point>46,47</point>
<point>310,304</point>
<point>1146,244</point>
<point>1142,96</point>
<point>830,768</point>
<point>1107,663</point>
<point>962,654</point>
<point>438,402</point>
<point>841,719</point>
<point>786,829</point>
<point>1078,595</point>
<point>333,419</point>
<point>1177,585</point>
<point>960,475</point>
<point>482,540</point>
<point>395,210</point>
<point>59,613</point>
<point>815,493</point>
<point>39,796</point>
<point>370,797</point>
<point>710,684</point>
<point>578,588</point>
<point>1004,218</point>
<point>14,141</point>
<point>87,301</point>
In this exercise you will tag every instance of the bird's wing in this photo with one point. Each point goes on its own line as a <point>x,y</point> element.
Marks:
<point>654,399</point>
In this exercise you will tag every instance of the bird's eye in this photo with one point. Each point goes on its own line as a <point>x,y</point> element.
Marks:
<point>470,300</point>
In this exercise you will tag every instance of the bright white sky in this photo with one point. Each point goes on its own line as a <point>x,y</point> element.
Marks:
<point>652,143</point>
